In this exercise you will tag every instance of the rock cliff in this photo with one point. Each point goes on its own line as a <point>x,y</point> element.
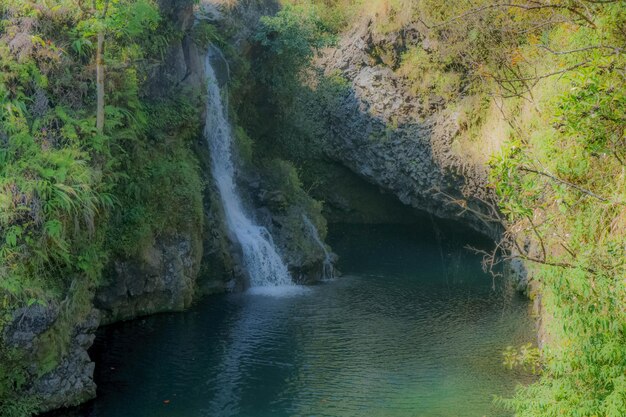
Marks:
<point>377,130</point>
<point>162,277</point>
<point>394,140</point>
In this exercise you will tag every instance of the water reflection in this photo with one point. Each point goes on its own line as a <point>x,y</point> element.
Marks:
<point>414,328</point>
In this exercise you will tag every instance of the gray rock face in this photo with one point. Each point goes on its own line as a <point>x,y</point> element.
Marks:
<point>71,381</point>
<point>27,324</point>
<point>387,136</point>
<point>162,279</point>
<point>183,64</point>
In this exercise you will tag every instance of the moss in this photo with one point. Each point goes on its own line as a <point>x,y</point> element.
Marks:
<point>427,75</point>
<point>244,145</point>
<point>13,378</point>
<point>161,191</point>
<point>54,343</point>
<point>204,34</point>
<point>290,204</point>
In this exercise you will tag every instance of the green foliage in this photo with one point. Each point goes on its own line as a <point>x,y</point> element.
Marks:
<point>428,75</point>
<point>161,195</point>
<point>13,376</point>
<point>593,112</point>
<point>244,145</point>
<point>288,200</point>
<point>526,356</point>
<point>561,185</point>
<point>274,98</point>
<point>57,173</point>
<point>69,198</point>
<point>132,19</point>
<point>288,41</point>
<point>161,189</point>
<point>51,196</point>
<point>282,175</point>
<point>205,33</point>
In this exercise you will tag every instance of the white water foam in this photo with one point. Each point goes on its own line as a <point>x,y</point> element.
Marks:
<point>261,260</point>
<point>328,271</point>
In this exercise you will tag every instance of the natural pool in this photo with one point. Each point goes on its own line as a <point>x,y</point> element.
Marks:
<point>413,328</point>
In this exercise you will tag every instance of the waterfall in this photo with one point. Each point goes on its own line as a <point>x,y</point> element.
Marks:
<point>261,261</point>
<point>328,272</point>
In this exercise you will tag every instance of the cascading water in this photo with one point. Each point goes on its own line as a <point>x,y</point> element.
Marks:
<point>260,257</point>
<point>328,272</point>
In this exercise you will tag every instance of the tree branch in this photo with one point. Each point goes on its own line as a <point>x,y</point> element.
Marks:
<point>613,48</point>
<point>569,184</point>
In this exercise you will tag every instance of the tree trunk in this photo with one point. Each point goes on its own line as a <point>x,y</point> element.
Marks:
<point>100,83</point>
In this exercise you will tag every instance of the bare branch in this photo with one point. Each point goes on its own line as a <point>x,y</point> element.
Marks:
<point>562,181</point>
<point>532,7</point>
<point>540,77</point>
<point>589,48</point>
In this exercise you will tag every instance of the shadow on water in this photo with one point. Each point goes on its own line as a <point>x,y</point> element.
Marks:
<point>413,328</point>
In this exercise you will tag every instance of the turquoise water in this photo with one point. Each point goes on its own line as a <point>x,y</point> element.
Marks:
<point>413,328</point>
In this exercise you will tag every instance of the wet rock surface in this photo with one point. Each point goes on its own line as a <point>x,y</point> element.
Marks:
<point>183,64</point>
<point>162,279</point>
<point>281,212</point>
<point>28,323</point>
<point>71,381</point>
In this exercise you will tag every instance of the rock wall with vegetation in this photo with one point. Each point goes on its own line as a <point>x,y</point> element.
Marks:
<point>397,139</point>
<point>109,218</point>
<point>270,181</point>
<point>112,221</point>
<point>507,116</point>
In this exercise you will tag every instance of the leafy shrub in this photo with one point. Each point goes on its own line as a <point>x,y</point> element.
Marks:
<point>205,33</point>
<point>429,76</point>
<point>63,185</point>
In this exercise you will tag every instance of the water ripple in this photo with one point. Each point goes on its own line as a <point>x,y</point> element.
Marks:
<point>394,337</point>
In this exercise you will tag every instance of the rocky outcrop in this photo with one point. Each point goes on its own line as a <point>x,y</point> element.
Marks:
<point>182,264</point>
<point>27,324</point>
<point>394,140</point>
<point>242,16</point>
<point>163,275</point>
<point>163,278</point>
<point>298,246</point>
<point>183,64</point>
<point>69,381</point>
<point>273,200</point>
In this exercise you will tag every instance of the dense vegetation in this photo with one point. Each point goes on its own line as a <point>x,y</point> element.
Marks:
<point>84,179</point>
<point>553,72</point>
<point>73,193</point>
